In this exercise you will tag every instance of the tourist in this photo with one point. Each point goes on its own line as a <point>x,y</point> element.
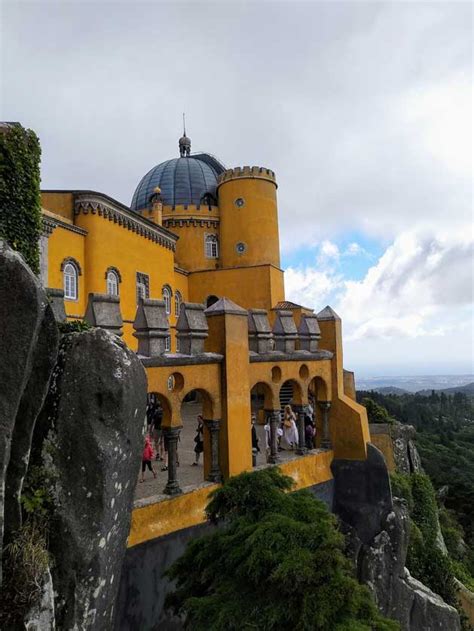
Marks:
<point>290,431</point>
<point>255,446</point>
<point>147,457</point>
<point>309,431</point>
<point>199,440</point>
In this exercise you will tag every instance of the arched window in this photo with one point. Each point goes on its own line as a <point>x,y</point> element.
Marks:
<point>112,283</point>
<point>178,299</point>
<point>211,246</point>
<point>70,281</point>
<point>167,299</point>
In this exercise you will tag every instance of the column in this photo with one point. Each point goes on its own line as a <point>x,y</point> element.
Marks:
<point>274,422</point>
<point>171,435</point>
<point>215,474</point>
<point>325,406</point>
<point>300,416</point>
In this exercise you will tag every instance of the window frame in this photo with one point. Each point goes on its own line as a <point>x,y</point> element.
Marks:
<point>142,280</point>
<point>211,246</point>
<point>166,289</point>
<point>74,275</point>
<point>112,274</point>
<point>178,301</point>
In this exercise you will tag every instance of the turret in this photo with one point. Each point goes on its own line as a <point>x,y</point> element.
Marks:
<point>248,217</point>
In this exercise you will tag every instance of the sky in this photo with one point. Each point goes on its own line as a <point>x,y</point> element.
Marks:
<point>363,110</point>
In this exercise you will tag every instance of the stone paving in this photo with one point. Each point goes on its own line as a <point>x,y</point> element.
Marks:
<point>188,475</point>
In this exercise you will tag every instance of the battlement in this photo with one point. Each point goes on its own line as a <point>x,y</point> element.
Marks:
<point>257,173</point>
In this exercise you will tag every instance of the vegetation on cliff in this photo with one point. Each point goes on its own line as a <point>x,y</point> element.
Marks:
<point>276,562</point>
<point>20,209</point>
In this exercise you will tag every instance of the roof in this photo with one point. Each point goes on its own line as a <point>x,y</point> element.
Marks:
<point>183,181</point>
<point>287,304</point>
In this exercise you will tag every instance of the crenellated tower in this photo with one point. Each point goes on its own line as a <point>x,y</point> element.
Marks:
<point>248,217</point>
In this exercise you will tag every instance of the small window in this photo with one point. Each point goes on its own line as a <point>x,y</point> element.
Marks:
<point>143,286</point>
<point>178,299</point>
<point>167,344</point>
<point>167,299</point>
<point>112,283</point>
<point>211,246</point>
<point>70,282</point>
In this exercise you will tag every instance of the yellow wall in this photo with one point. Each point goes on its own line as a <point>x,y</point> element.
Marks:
<point>259,287</point>
<point>59,203</point>
<point>183,511</point>
<point>109,244</point>
<point>228,335</point>
<point>255,224</point>
<point>384,443</point>
<point>62,244</point>
<point>348,420</point>
<point>190,252</point>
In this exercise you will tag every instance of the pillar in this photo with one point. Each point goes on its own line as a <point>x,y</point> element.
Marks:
<point>213,427</point>
<point>228,336</point>
<point>325,406</point>
<point>171,435</point>
<point>274,422</point>
<point>301,413</point>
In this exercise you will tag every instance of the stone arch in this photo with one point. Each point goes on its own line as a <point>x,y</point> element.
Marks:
<point>165,405</point>
<point>261,397</point>
<point>318,389</point>
<point>291,392</point>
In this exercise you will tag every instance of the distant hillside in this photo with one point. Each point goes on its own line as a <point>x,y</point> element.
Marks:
<point>391,390</point>
<point>468,390</point>
<point>448,383</point>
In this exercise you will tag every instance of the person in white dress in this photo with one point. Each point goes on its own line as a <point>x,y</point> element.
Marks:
<point>290,431</point>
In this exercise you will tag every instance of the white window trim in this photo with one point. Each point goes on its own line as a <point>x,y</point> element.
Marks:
<point>167,294</point>
<point>74,275</point>
<point>212,241</point>
<point>112,281</point>
<point>178,301</point>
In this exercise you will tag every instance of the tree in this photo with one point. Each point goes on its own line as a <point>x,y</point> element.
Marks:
<point>375,412</point>
<point>275,562</point>
<point>20,207</point>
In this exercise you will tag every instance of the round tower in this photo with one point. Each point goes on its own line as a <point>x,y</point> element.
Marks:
<point>248,217</point>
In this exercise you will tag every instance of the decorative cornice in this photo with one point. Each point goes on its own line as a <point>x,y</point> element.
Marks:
<point>95,204</point>
<point>50,223</point>
<point>203,223</point>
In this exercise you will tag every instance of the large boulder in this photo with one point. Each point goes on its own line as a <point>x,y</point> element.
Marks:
<point>407,459</point>
<point>28,342</point>
<point>381,566</point>
<point>93,420</point>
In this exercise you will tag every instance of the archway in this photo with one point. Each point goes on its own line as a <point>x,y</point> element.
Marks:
<point>291,393</point>
<point>194,444</point>
<point>317,392</point>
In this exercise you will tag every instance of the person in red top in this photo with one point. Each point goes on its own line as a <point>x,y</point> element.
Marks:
<point>147,458</point>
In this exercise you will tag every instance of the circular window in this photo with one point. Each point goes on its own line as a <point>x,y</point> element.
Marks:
<point>175,382</point>
<point>240,247</point>
<point>304,371</point>
<point>239,202</point>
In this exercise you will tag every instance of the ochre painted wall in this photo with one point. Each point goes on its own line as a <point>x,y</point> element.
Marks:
<point>110,244</point>
<point>59,203</point>
<point>257,287</point>
<point>190,251</point>
<point>63,243</point>
<point>384,443</point>
<point>161,518</point>
<point>255,223</point>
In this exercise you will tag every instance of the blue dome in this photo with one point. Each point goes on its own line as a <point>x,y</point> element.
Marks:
<point>181,180</point>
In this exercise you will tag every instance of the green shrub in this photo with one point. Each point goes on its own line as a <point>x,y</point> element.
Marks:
<point>20,207</point>
<point>73,326</point>
<point>401,487</point>
<point>275,562</point>
<point>376,413</point>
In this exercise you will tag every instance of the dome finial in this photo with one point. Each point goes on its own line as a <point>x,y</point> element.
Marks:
<point>184,142</point>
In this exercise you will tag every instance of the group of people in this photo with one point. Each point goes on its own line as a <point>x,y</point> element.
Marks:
<point>287,431</point>
<point>156,447</point>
